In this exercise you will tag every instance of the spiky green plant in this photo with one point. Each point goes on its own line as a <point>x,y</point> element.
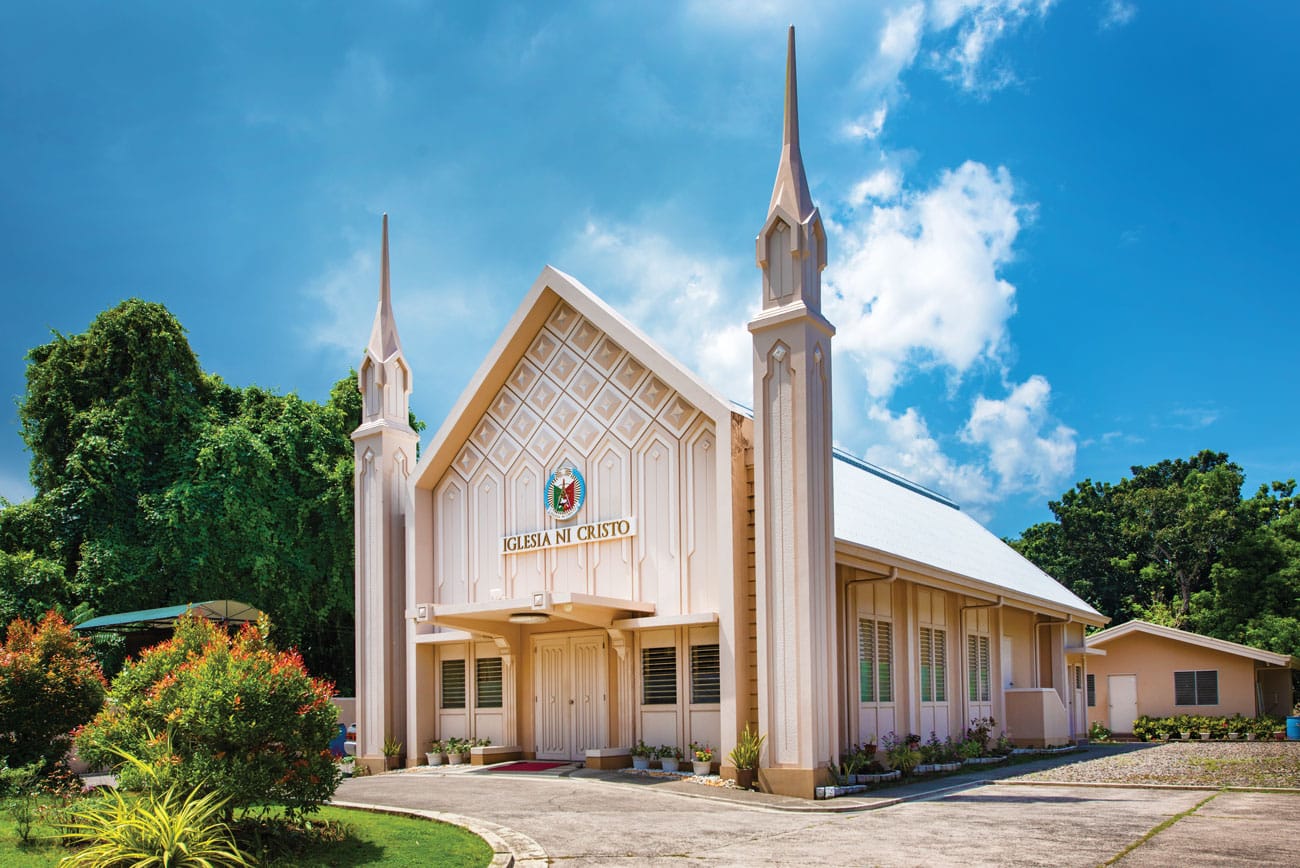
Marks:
<point>156,829</point>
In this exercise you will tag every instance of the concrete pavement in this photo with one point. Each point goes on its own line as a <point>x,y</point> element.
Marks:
<point>599,818</point>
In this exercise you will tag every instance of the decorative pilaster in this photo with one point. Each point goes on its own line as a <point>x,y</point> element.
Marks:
<point>384,450</point>
<point>795,563</point>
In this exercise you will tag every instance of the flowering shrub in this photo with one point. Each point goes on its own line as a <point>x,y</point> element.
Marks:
<point>215,713</point>
<point>49,684</point>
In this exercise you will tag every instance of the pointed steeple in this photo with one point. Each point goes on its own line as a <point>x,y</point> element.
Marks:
<point>384,342</point>
<point>791,248</point>
<point>791,189</point>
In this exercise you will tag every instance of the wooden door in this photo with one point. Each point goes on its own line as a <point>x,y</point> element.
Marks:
<point>571,700</point>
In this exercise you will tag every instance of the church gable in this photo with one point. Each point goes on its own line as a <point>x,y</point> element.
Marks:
<point>577,396</point>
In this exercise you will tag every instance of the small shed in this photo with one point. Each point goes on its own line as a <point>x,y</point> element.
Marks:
<point>1149,669</point>
<point>147,627</point>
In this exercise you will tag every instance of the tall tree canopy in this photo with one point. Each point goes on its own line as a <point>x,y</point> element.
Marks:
<point>1176,543</point>
<point>158,484</point>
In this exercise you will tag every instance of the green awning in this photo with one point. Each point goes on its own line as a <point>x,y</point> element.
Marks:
<point>227,611</point>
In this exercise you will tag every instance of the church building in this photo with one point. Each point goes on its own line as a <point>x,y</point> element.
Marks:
<point>597,549</point>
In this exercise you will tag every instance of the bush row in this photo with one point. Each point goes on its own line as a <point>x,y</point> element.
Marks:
<point>1155,728</point>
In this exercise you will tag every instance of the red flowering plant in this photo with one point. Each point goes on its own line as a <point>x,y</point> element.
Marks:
<point>49,684</point>
<point>220,713</point>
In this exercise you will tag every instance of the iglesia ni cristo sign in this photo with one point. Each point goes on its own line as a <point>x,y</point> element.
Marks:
<point>600,531</point>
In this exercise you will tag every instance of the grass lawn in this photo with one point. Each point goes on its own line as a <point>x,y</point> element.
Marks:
<point>374,839</point>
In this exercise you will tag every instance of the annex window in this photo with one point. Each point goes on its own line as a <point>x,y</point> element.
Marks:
<point>875,661</point>
<point>487,682</point>
<point>934,664</point>
<point>706,681</point>
<point>658,676</point>
<point>978,669</point>
<point>1092,690</point>
<point>1196,687</point>
<point>453,684</point>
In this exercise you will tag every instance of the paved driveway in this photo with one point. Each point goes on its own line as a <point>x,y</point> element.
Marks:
<point>596,819</point>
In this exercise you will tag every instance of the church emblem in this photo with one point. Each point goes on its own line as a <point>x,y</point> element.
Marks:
<point>565,492</point>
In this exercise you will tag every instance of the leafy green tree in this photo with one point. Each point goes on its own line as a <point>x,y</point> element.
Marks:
<point>49,685</point>
<point>1176,543</point>
<point>222,714</point>
<point>158,484</point>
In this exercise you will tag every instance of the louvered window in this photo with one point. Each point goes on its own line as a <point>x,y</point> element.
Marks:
<point>658,676</point>
<point>453,684</point>
<point>1196,687</point>
<point>934,664</point>
<point>487,682</point>
<point>1092,690</point>
<point>977,666</point>
<point>875,661</point>
<point>706,683</point>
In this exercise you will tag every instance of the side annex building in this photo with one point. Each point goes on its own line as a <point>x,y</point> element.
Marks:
<point>595,548</point>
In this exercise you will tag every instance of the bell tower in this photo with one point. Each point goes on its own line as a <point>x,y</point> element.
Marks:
<point>794,527</point>
<point>384,451</point>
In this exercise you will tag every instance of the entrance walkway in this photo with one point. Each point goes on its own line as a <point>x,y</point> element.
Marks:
<point>598,818</point>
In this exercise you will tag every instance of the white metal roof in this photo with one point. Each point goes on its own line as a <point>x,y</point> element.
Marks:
<point>875,509</point>
<point>1173,633</point>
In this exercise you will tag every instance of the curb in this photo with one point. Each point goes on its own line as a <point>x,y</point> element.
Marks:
<point>510,849</point>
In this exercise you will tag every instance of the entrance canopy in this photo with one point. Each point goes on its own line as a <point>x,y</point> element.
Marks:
<point>539,608</point>
<point>221,611</point>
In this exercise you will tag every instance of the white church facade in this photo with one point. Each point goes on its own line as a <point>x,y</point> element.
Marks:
<point>595,549</point>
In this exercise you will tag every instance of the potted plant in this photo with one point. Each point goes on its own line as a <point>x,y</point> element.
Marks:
<point>642,753</point>
<point>347,765</point>
<point>902,753</point>
<point>457,751</point>
<point>670,757</point>
<point>702,759</point>
<point>434,754</point>
<point>745,757</point>
<point>392,753</point>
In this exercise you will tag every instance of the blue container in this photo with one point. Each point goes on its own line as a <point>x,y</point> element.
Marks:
<point>1293,728</point>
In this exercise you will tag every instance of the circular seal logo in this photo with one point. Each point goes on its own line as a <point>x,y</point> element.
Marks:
<point>565,491</point>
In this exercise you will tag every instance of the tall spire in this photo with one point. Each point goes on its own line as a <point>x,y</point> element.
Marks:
<point>384,342</point>
<point>791,189</point>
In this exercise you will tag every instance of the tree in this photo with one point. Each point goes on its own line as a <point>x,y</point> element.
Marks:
<point>1176,543</point>
<point>158,484</point>
<point>219,713</point>
<point>49,685</point>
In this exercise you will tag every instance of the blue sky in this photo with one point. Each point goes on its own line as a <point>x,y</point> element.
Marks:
<point>1062,234</point>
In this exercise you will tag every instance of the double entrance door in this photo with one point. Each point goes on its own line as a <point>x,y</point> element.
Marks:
<point>570,694</point>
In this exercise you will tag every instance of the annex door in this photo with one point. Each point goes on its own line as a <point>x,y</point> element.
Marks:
<point>570,695</point>
<point>1122,693</point>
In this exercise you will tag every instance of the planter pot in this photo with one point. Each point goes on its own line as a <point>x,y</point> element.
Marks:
<point>1232,736</point>
<point>926,768</point>
<point>669,764</point>
<point>1250,736</point>
<point>984,760</point>
<point>641,762</point>
<point>434,759</point>
<point>701,768</point>
<point>745,779</point>
<point>456,759</point>
<point>1205,735</point>
<point>347,767</point>
<point>391,762</point>
<point>1185,734</point>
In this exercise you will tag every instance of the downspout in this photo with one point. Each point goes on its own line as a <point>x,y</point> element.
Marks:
<point>961,619</point>
<point>850,708</point>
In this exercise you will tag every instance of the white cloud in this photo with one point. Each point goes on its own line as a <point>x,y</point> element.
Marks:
<point>903,443</point>
<point>980,25</point>
<point>1028,450</point>
<point>882,186</point>
<point>1117,13</point>
<point>868,126</point>
<point>897,47</point>
<point>687,301</point>
<point>916,284</point>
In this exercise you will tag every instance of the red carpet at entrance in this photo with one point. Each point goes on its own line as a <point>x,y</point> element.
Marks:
<point>528,766</point>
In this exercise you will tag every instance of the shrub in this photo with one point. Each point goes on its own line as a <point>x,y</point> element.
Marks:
<point>219,714</point>
<point>1097,731</point>
<point>164,828</point>
<point>49,685</point>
